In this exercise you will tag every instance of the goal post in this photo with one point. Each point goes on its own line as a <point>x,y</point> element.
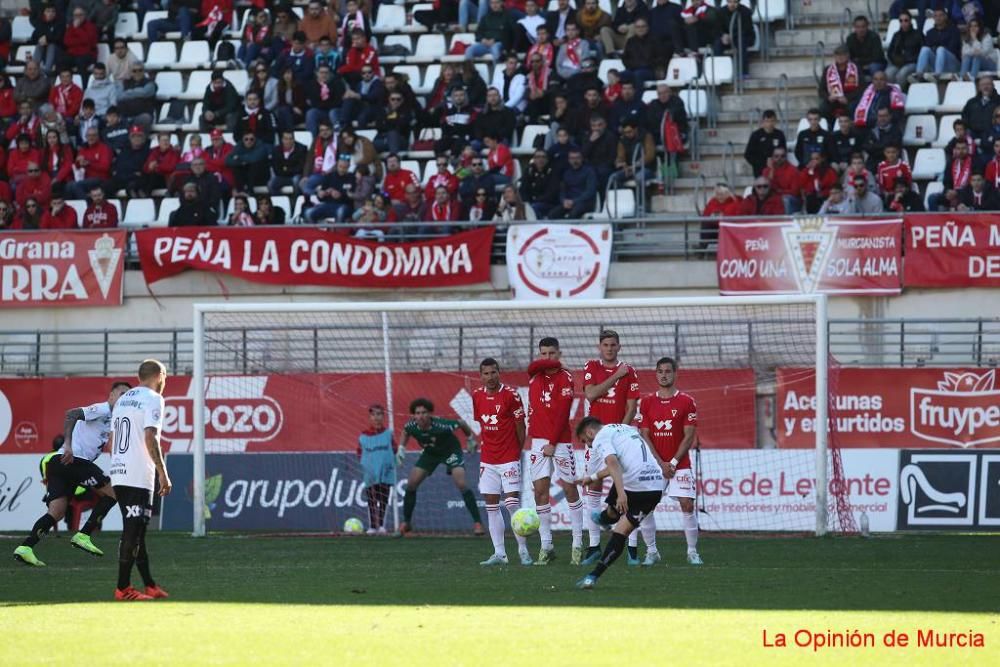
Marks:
<point>342,356</point>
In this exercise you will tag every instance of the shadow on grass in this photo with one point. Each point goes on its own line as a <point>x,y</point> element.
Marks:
<point>939,573</point>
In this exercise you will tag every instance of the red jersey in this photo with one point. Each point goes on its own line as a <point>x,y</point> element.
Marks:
<point>395,183</point>
<point>666,418</point>
<point>888,174</point>
<point>611,407</point>
<point>498,415</point>
<point>550,401</point>
<point>100,215</point>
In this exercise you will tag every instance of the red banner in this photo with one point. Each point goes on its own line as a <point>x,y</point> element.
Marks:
<point>949,250</point>
<point>810,254</point>
<point>894,407</point>
<point>44,269</point>
<point>324,412</point>
<point>312,256</point>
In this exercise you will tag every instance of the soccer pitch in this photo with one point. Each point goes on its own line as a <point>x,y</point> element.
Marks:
<point>426,601</point>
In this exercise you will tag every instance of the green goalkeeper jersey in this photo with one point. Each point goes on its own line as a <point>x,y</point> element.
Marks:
<point>439,439</point>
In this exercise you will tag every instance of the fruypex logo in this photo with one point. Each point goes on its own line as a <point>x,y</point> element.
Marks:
<point>963,411</point>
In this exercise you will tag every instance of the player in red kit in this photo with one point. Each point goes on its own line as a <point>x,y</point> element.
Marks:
<point>498,410</point>
<point>612,388</point>
<point>550,402</point>
<point>668,419</point>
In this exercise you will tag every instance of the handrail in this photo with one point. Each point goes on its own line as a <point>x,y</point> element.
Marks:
<point>781,96</point>
<point>736,40</point>
<point>765,31</point>
<point>818,63</point>
<point>638,169</point>
<point>845,20</point>
<point>701,193</point>
<point>729,163</point>
<point>754,116</point>
<point>874,16</point>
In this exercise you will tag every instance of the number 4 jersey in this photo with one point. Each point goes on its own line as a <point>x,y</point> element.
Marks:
<point>640,471</point>
<point>135,411</point>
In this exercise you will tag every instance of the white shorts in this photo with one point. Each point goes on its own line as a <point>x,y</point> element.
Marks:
<point>562,460</point>
<point>681,485</point>
<point>499,478</point>
<point>590,461</point>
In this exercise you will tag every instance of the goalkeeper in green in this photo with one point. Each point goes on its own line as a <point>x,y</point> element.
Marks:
<point>436,436</point>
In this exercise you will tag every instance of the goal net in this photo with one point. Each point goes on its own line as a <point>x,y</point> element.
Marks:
<point>282,392</point>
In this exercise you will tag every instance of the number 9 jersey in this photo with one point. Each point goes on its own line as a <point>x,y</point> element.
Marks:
<point>134,412</point>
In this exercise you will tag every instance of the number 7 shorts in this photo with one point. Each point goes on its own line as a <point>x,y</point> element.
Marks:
<point>561,465</point>
<point>498,478</point>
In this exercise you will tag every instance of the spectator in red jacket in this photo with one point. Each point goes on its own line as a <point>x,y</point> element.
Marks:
<point>722,205</point>
<point>92,166</point>
<point>360,54</point>
<point>20,158</point>
<point>439,213</point>
<point>27,122</point>
<point>784,180</point>
<point>499,160</point>
<point>80,42</point>
<point>8,107</point>
<point>100,213</point>
<point>59,215</point>
<point>215,161</point>
<point>817,177</point>
<point>57,158</point>
<point>442,177</point>
<point>396,179</point>
<point>162,162</point>
<point>66,97</point>
<point>36,185</point>
<point>762,201</point>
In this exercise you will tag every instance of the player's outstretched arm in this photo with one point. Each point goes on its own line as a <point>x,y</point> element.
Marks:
<point>72,417</point>
<point>471,439</point>
<point>156,453</point>
<point>631,405</point>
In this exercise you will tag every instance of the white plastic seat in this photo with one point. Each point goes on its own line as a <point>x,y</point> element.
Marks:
<point>922,98</point>
<point>127,26</point>
<point>527,145</point>
<point>239,78</point>
<point>390,19</point>
<point>804,125</point>
<point>161,125</point>
<point>195,55</point>
<point>167,206</point>
<point>193,124</point>
<point>304,137</point>
<point>946,130</point>
<point>139,213</point>
<point>609,64</point>
<point>234,42</point>
<point>695,102</point>
<point>198,82</point>
<point>956,95</point>
<point>929,164</point>
<point>927,133</point>
<point>149,18</point>
<point>890,31</point>
<point>162,55</point>
<point>648,96</point>
<point>284,203</point>
<point>430,168</point>
<point>429,49</point>
<point>414,26</point>
<point>933,188</point>
<point>80,206</point>
<point>139,49</point>
<point>717,70</point>
<point>396,40</point>
<point>619,204</point>
<point>412,73</point>
<point>21,29</point>
<point>681,71</point>
<point>169,85</point>
<point>431,74</point>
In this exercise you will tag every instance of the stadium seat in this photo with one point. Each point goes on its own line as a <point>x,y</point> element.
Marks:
<point>150,17</point>
<point>127,26</point>
<point>412,74</point>
<point>695,102</point>
<point>717,70</point>
<point>430,168</point>
<point>929,164</point>
<point>619,204</point>
<point>192,125</point>
<point>946,130</point>
<point>297,210</point>
<point>390,19</point>
<point>648,96</point>
<point>928,24</point>
<point>139,213</point>
<point>304,137</point>
<point>430,49</point>
<point>956,95</point>
<point>139,49</point>
<point>922,98</point>
<point>195,55</point>
<point>21,29</point>
<point>80,206</point>
<point>284,203</point>
<point>414,26</point>
<point>426,134</point>
<point>528,136</point>
<point>933,188</point>
<point>167,206</point>
<point>927,132</point>
<point>609,64</point>
<point>239,78</point>
<point>431,74</point>
<point>234,42</point>
<point>681,71</point>
<point>891,30</point>
<point>769,11</point>
<point>162,55</point>
<point>804,125</point>
<point>197,83</point>
<point>396,40</point>
<point>169,86</point>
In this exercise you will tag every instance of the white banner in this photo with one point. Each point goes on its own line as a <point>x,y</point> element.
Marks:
<point>547,261</point>
<point>21,493</point>
<point>771,490</point>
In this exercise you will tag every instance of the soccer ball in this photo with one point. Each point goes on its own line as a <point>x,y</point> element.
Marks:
<point>525,521</point>
<point>354,526</point>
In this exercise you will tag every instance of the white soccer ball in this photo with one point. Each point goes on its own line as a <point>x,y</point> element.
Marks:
<point>525,521</point>
<point>354,526</point>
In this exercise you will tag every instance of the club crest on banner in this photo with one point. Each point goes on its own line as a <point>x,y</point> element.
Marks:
<point>558,261</point>
<point>809,244</point>
<point>104,258</point>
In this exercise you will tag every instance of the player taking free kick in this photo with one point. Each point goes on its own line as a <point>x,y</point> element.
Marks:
<point>550,401</point>
<point>136,460</point>
<point>86,431</point>
<point>668,419</point>
<point>637,489</point>
<point>501,417</point>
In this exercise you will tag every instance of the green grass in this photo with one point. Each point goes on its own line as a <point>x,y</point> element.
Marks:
<point>317,600</point>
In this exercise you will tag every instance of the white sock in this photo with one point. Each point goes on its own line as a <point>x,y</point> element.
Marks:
<point>545,525</point>
<point>648,530</point>
<point>513,505</point>
<point>593,504</point>
<point>576,522</point>
<point>633,538</point>
<point>495,520</point>
<point>690,522</point>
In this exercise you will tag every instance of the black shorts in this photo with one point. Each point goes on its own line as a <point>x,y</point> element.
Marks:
<point>135,504</point>
<point>62,480</point>
<point>640,503</point>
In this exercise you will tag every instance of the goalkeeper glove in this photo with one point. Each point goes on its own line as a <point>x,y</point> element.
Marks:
<point>400,455</point>
<point>473,443</point>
